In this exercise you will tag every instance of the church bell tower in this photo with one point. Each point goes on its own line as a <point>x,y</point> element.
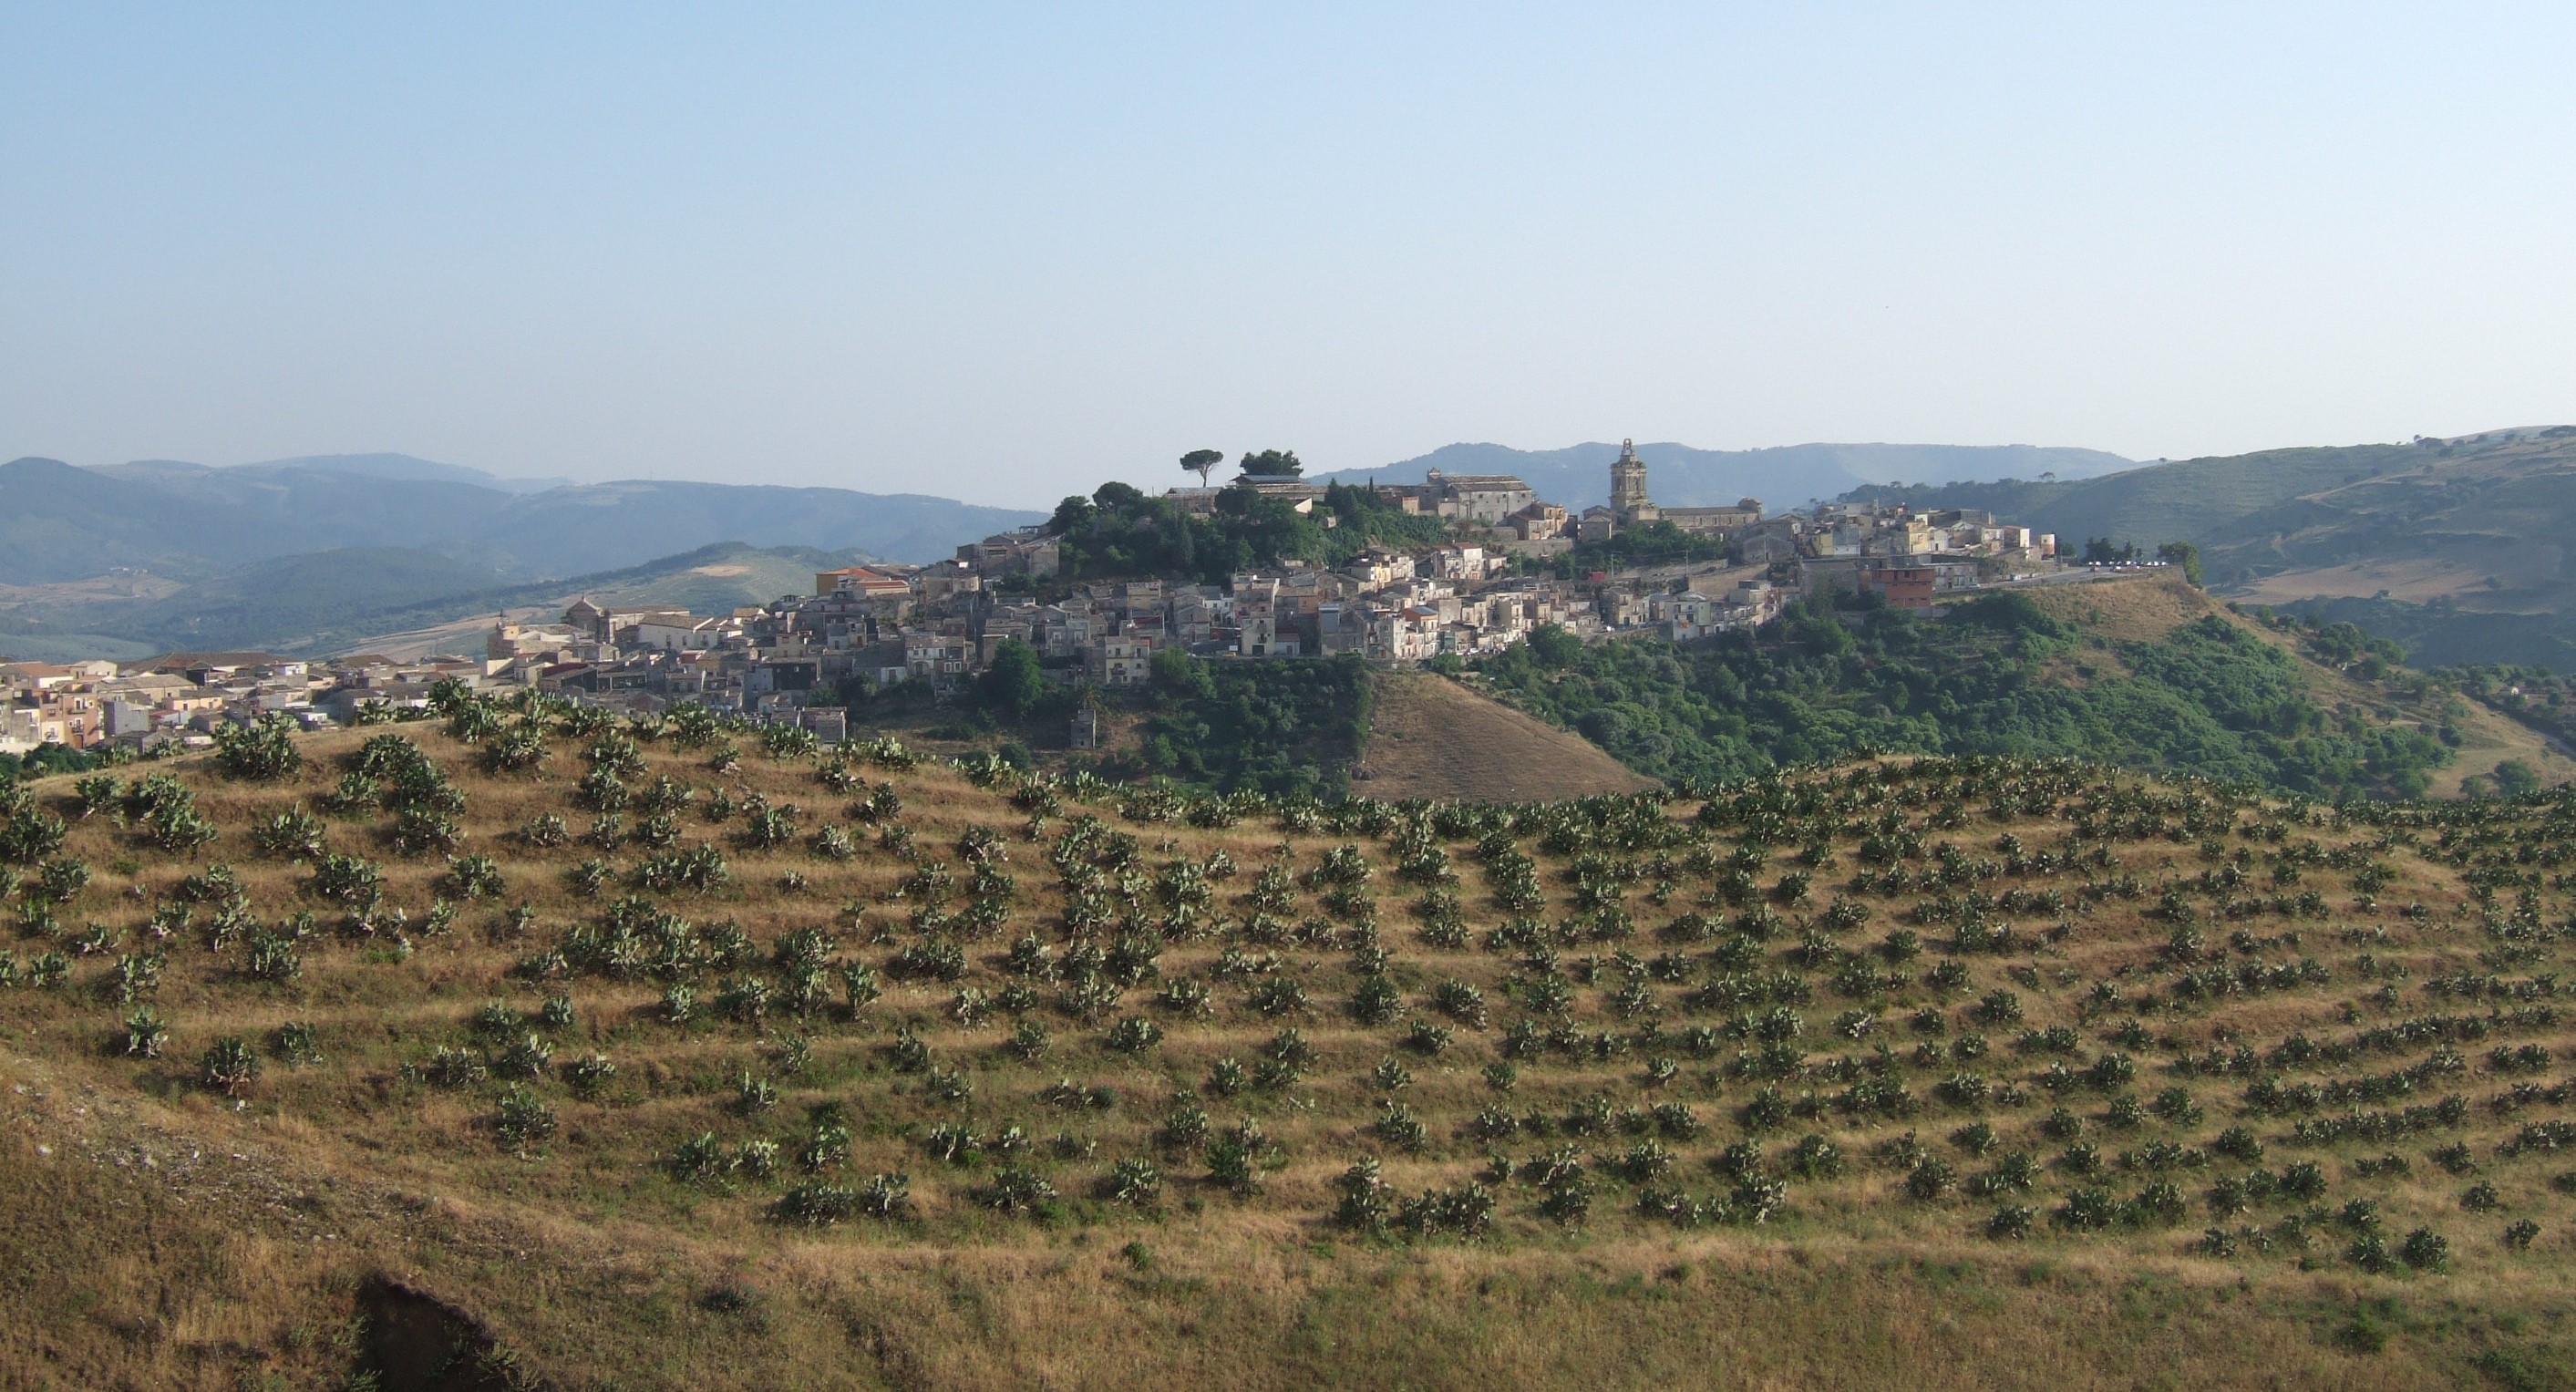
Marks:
<point>1628,500</point>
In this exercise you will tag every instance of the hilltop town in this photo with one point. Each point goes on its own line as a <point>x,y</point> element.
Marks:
<point>1471,565</point>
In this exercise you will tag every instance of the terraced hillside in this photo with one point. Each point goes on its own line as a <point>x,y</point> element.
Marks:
<point>530,1050</point>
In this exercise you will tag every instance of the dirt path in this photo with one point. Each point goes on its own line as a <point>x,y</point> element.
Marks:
<point>1433,738</point>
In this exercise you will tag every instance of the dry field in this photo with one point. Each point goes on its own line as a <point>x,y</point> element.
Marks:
<point>2413,580</point>
<point>1014,1084</point>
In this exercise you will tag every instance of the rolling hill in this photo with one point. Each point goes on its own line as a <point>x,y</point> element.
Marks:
<point>425,1072</point>
<point>1578,476</point>
<point>60,523</point>
<point>2318,521</point>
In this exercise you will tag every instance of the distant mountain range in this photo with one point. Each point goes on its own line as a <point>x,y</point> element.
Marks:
<point>378,598</point>
<point>383,466</point>
<point>1680,476</point>
<point>61,523</point>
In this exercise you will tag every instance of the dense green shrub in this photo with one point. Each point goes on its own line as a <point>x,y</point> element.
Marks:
<point>2208,699</point>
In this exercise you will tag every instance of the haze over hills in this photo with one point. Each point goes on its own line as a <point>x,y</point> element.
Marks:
<point>327,602</point>
<point>63,523</point>
<point>385,466</point>
<point>1782,477</point>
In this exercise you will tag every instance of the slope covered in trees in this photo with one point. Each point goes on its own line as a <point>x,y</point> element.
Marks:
<point>2000,674</point>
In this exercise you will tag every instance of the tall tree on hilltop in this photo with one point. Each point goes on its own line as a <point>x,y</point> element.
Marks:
<point>1201,462</point>
<point>2183,556</point>
<point>1073,516</point>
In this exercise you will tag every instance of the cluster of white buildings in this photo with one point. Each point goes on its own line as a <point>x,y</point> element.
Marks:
<point>175,698</point>
<point>1898,533</point>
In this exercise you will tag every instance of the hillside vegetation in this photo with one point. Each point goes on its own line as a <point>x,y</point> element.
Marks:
<point>529,1049</point>
<point>1120,532</point>
<point>2440,632</point>
<point>2144,674</point>
<point>2196,500</point>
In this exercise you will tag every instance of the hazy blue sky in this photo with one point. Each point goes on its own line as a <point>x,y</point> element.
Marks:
<point>999,252</point>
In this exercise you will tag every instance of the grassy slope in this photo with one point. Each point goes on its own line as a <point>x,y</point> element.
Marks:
<point>170,1239</point>
<point>1433,737</point>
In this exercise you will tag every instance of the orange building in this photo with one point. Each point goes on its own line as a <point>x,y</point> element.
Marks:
<point>1903,586</point>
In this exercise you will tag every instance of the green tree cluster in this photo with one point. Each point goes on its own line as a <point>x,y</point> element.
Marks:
<point>45,760</point>
<point>1650,543</point>
<point>2182,556</point>
<point>2208,699</point>
<point>1119,531</point>
<point>1282,727</point>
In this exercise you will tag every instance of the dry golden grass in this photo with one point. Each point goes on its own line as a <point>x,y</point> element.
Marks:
<point>1430,737</point>
<point>2135,609</point>
<point>156,1234</point>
